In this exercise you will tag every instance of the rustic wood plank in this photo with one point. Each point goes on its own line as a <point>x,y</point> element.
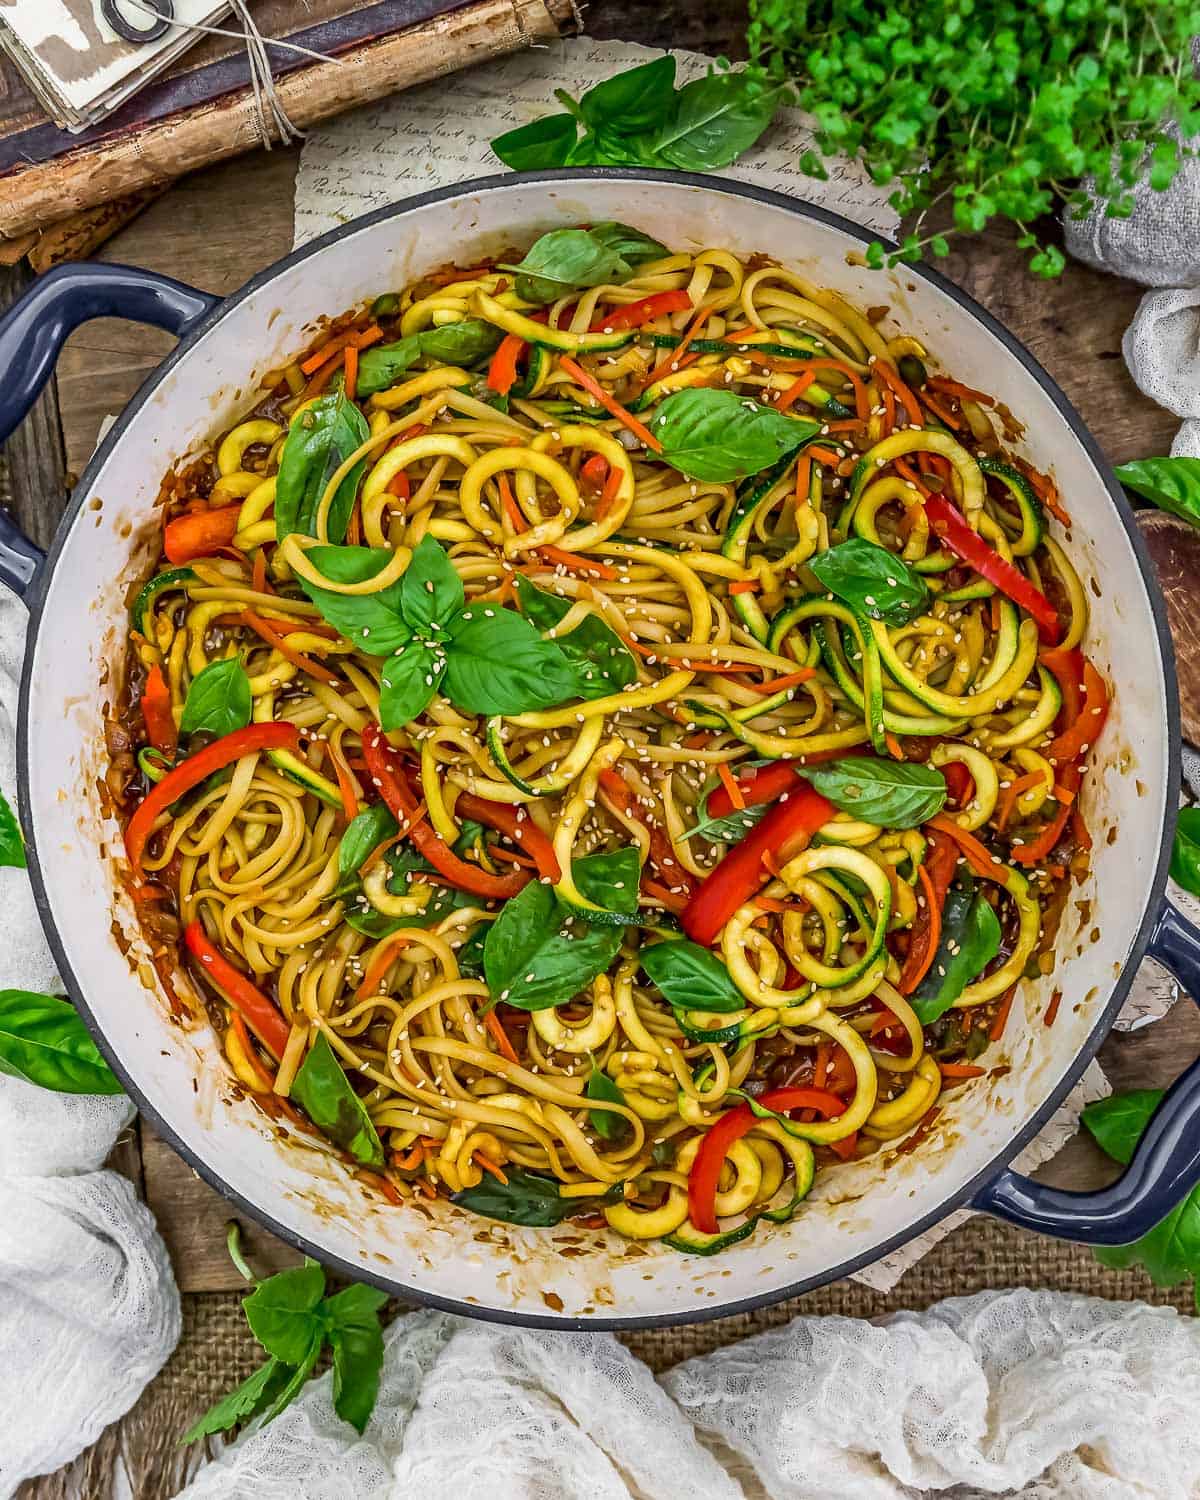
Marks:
<point>34,453</point>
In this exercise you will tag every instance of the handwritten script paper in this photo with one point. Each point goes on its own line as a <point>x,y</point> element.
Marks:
<point>438,134</point>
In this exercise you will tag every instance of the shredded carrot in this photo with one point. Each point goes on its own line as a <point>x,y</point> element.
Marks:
<point>699,740</point>
<point>377,1180</point>
<point>963,392</point>
<point>239,1029</point>
<point>862,402</point>
<point>608,496</point>
<point>1064,795</point>
<point>514,858</point>
<point>821,1065</point>
<point>960,1070</point>
<point>745,586</point>
<point>893,746</point>
<point>907,400</point>
<point>768,903</point>
<point>324,374</point>
<point>576,564</point>
<point>1057,872</point>
<point>351,381</point>
<point>994,613</point>
<point>673,900</point>
<point>498,1034</point>
<point>352,338</point>
<point>1052,1009</point>
<point>407,1160</point>
<point>672,360</point>
<point>381,964</point>
<point>1046,491</point>
<point>297,658</point>
<point>803,479</point>
<point>847,424</point>
<point>889,411</point>
<point>512,510</point>
<point>789,397</point>
<point>729,782</point>
<point>401,486</point>
<point>940,412</point>
<point>594,388</point>
<point>281,624</point>
<point>345,781</point>
<point>1008,796</point>
<point>488,1165</point>
<point>777,684</point>
<point>909,474</point>
<point>258,574</point>
<point>935,930</point>
<point>976,853</point>
<point>996,1030</point>
<point>825,456</point>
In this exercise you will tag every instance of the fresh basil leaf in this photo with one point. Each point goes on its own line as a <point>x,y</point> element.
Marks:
<point>408,683</point>
<point>218,699</point>
<point>717,118</point>
<point>607,148</point>
<point>297,1376</point>
<point>497,663</point>
<point>12,844</point>
<point>636,100</point>
<point>631,245</point>
<point>603,663</point>
<point>318,441</point>
<point>608,1126</point>
<point>970,940</point>
<point>872,580</point>
<point>383,365</point>
<point>562,261</point>
<point>282,1311</point>
<point>538,954</point>
<point>610,880</point>
<point>431,591</point>
<point>406,865</point>
<point>691,978</point>
<point>463,343</point>
<point>1173,484</point>
<point>732,828</point>
<point>323,1091</point>
<point>526,1198</point>
<point>895,794</point>
<point>1116,1123</point>
<point>374,622</point>
<point>43,1041</point>
<point>470,955</point>
<point>352,1321</point>
<point>245,1401</point>
<point>1185,851</point>
<point>542,143</point>
<point>719,437</point>
<point>364,833</point>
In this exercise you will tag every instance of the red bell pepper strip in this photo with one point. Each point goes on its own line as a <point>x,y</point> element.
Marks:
<point>1067,669</point>
<point>952,531</point>
<point>259,1013</point>
<point>635,314</point>
<point>1039,847</point>
<point>156,712</point>
<point>1082,731</point>
<point>705,1175</point>
<point>388,777</point>
<point>200,533</point>
<point>678,880</point>
<point>960,784</point>
<point>785,830</point>
<point>935,874</point>
<point>766,783</point>
<point>502,372</point>
<point>517,825</point>
<point>194,770</point>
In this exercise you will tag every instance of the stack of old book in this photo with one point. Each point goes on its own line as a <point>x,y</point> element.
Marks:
<point>91,128</point>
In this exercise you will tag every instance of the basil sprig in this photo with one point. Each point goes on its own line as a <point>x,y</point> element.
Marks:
<point>294,1320</point>
<point>218,699</point>
<point>43,1041</point>
<point>720,438</point>
<point>12,844</point>
<point>1172,484</point>
<point>872,580</point>
<point>319,440</point>
<point>895,794</point>
<point>639,118</point>
<point>540,952</point>
<point>1185,851</point>
<point>463,343</point>
<point>323,1091</point>
<point>689,977</point>
<point>566,260</point>
<point>970,940</point>
<point>486,660</point>
<point>603,663</point>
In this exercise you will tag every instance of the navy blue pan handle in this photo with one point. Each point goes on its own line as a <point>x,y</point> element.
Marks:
<point>1166,1164</point>
<point>33,332</point>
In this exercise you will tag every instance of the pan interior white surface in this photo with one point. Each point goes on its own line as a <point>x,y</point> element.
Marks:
<point>180,1072</point>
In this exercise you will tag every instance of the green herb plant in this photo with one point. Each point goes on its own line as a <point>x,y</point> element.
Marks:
<point>1171,484</point>
<point>993,108</point>
<point>639,118</point>
<point>218,699</point>
<point>12,845</point>
<point>294,1320</point>
<point>43,1041</point>
<point>872,581</point>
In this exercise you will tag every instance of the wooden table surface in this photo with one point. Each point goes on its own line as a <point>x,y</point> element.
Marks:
<point>218,227</point>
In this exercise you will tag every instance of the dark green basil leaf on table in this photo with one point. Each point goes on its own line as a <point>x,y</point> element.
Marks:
<point>719,437</point>
<point>717,118</point>
<point>603,663</point>
<point>636,100</point>
<point>497,663</point>
<point>351,1317</point>
<point>43,1041</point>
<point>282,1311</point>
<point>318,441</point>
<point>1118,1121</point>
<point>323,1091</point>
<point>689,977</point>
<point>1185,851</point>
<point>601,1088</point>
<point>872,580</point>
<point>245,1401</point>
<point>970,940</point>
<point>1172,484</point>
<point>12,844</point>
<point>540,144</point>
<point>218,699</point>
<point>895,794</point>
<point>374,622</point>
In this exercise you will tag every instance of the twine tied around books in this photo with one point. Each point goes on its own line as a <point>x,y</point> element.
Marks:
<point>270,117</point>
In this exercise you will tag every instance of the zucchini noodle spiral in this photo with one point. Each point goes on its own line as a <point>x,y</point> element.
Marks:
<point>701,858</point>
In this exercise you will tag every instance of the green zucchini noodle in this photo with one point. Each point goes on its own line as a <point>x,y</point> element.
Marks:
<point>805,977</point>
